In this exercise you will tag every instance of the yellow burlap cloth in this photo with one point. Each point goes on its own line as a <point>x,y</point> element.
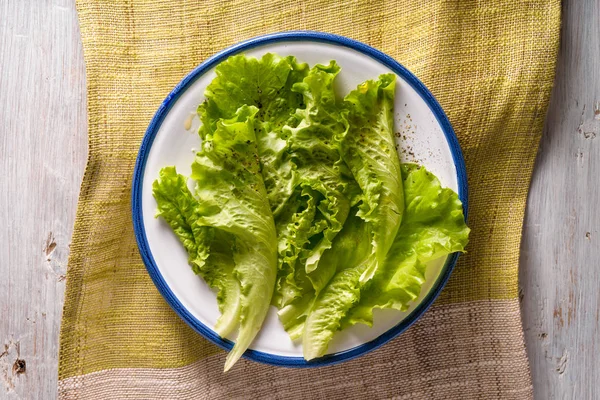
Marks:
<point>491,66</point>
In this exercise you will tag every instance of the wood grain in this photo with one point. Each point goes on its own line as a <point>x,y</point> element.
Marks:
<point>560,250</point>
<point>43,147</point>
<point>42,155</point>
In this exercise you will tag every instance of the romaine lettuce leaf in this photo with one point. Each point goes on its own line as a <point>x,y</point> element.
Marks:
<point>301,210</point>
<point>209,250</point>
<point>350,250</point>
<point>266,84</point>
<point>369,149</point>
<point>228,179</point>
<point>231,202</point>
<point>349,257</point>
<point>433,226</point>
<point>323,182</point>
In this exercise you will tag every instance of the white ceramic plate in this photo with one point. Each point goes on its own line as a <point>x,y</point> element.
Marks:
<point>426,137</point>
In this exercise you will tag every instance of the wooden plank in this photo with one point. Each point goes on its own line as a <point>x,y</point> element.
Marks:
<point>560,251</point>
<point>43,147</point>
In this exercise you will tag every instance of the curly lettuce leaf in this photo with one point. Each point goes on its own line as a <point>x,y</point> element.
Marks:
<point>349,251</point>
<point>266,84</point>
<point>324,186</point>
<point>364,121</point>
<point>294,227</point>
<point>228,179</point>
<point>433,226</point>
<point>298,126</point>
<point>349,257</point>
<point>369,150</point>
<point>231,212</point>
<point>209,251</point>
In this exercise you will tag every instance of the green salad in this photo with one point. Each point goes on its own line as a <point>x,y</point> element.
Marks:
<point>301,202</point>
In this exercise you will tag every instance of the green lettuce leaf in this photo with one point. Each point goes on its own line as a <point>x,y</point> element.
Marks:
<point>349,257</point>
<point>228,179</point>
<point>298,128</point>
<point>349,251</point>
<point>266,84</point>
<point>323,182</point>
<point>433,226</point>
<point>231,203</point>
<point>369,150</point>
<point>209,251</point>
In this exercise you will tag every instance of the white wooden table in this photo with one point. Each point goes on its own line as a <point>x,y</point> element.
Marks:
<point>43,147</point>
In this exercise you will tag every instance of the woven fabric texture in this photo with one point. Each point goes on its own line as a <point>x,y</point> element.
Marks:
<point>491,66</point>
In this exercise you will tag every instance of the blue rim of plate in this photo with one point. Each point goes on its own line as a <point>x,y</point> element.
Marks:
<point>136,198</point>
